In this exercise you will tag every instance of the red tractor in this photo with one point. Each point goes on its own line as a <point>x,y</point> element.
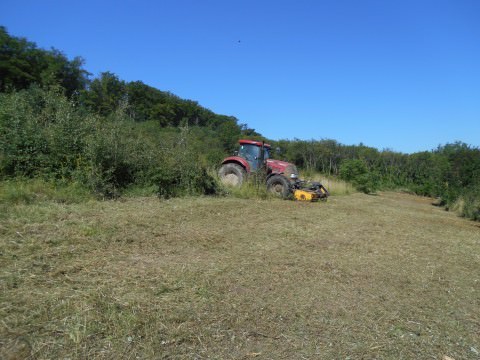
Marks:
<point>282,176</point>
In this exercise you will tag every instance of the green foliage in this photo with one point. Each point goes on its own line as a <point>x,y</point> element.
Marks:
<point>111,156</point>
<point>23,64</point>
<point>121,153</point>
<point>147,103</point>
<point>471,206</point>
<point>105,94</point>
<point>352,169</point>
<point>181,171</point>
<point>42,133</point>
<point>356,172</point>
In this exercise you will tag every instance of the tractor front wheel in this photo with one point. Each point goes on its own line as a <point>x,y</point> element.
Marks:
<point>232,174</point>
<point>279,186</point>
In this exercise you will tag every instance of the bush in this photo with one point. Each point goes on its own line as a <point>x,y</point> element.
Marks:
<point>42,133</point>
<point>356,172</point>
<point>186,179</point>
<point>110,154</point>
<point>45,135</point>
<point>468,204</point>
<point>180,170</point>
<point>366,183</point>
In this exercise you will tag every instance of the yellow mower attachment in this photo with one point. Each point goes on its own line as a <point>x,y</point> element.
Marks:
<point>306,195</point>
<point>314,191</point>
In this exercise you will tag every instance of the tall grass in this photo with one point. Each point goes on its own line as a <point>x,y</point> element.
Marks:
<point>334,185</point>
<point>249,190</point>
<point>254,188</point>
<point>468,204</point>
<point>30,191</point>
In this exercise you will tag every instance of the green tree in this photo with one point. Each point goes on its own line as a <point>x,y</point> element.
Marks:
<point>105,94</point>
<point>23,64</point>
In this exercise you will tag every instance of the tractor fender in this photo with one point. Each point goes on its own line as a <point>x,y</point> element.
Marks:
<point>237,160</point>
<point>270,174</point>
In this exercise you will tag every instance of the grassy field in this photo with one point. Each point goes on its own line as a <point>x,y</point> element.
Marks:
<point>358,277</point>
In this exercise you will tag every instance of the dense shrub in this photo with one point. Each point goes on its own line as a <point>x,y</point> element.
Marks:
<point>356,172</point>
<point>182,169</point>
<point>468,204</point>
<point>43,134</point>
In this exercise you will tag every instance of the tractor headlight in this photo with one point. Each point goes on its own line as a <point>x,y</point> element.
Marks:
<point>293,176</point>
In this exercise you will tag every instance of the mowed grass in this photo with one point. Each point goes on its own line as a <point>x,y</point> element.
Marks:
<point>357,277</point>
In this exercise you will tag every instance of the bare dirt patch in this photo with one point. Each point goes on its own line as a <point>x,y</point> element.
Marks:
<point>360,276</point>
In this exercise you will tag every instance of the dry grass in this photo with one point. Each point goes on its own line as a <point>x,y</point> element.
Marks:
<point>357,277</point>
<point>334,185</point>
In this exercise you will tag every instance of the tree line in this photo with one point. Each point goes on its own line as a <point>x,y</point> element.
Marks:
<point>58,123</point>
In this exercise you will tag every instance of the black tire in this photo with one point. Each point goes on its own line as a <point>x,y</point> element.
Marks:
<point>232,174</point>
<point>279,186</point>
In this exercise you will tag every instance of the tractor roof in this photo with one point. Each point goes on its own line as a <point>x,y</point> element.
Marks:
<point>253,142</point>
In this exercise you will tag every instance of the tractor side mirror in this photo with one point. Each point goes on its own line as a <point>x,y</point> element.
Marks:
<point>278,150</point>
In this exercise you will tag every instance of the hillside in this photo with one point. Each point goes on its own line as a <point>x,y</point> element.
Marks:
<point>387,276</point>
<point>109,135</point>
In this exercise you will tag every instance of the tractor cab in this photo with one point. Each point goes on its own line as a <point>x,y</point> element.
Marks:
<point>252,152</point>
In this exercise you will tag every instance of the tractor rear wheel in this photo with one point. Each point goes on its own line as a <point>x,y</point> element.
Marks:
<point>232,174</point>
<point>279,186</point>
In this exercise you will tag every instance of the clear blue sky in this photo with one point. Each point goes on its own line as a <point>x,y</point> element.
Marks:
<point>396,74</point>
